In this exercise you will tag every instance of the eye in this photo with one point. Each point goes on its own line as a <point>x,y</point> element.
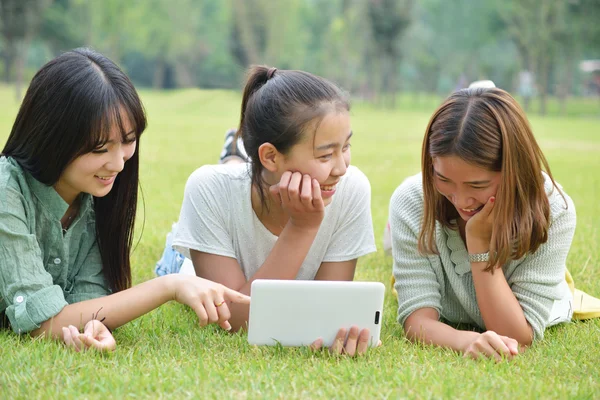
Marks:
<point>130,139</point>
<point>326,157</point>
<point>478,187</point>
<point>346,147</point>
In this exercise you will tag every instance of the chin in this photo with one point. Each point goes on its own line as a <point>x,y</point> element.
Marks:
<point>101,192</point>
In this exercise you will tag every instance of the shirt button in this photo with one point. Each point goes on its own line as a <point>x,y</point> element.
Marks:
<point>19,299</point>
<point>57,261</point>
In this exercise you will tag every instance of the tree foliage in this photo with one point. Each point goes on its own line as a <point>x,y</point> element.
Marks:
<point>373,48</point>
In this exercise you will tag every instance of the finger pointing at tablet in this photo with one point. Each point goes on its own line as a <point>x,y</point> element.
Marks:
<point>208,299</point>
<point>236,297</point>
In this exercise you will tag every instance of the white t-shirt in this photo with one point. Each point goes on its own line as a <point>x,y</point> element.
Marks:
<point>217,218</point>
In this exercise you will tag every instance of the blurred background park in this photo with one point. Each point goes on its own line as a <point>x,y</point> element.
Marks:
<point>393,53</point>
<point>398,59</point>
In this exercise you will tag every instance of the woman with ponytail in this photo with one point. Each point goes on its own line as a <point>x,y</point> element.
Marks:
<point>295,210</point>
<point>68,197</point>
<point>481,236</point>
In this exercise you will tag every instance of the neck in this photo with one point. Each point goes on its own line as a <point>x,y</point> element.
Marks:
<point>70,214</point>
<point>69,196</point>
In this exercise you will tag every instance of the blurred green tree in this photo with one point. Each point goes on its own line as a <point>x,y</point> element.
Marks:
<point>389,20</point>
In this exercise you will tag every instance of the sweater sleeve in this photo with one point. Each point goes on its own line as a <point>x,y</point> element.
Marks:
<point>417,283</point>
<point>536,282</point>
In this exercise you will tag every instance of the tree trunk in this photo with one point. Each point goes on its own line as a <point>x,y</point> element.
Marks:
<point>394,62</point>
<point>159,74</point>
<point>544,67</point>
<point>21,63</point>
<point>8,63</point>
<point>247,35</point>
<point>19,67</point>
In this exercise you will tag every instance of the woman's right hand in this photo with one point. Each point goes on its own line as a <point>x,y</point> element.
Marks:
<point>300,197</point>
<point>208,299</point>
<point>95,336</point>
<point>351,342</point>
<point>491,345</point>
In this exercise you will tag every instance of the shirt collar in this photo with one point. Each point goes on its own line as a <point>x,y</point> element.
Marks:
<point>51,200</point>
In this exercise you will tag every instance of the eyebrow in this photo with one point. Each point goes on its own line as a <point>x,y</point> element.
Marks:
<point>332,145</point>
<point>468,183</point>
<point>131,132</point>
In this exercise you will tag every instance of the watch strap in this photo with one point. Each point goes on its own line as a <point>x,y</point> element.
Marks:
<point>479,257</point>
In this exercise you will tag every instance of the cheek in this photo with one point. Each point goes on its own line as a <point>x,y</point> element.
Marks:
<point>129,151</point>
<point>347,157</point>
<point>487,193</point>
<point>315,168</point>
<point>321,172</point>
<point>441,188</point>
<point>82,167</point>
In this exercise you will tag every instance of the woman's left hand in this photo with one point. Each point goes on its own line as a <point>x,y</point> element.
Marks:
<point>479,228</point>
<point>95,336</point>
<point>357,342</point>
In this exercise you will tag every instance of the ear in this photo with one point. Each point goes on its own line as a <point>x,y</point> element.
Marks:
<point>269,157</point>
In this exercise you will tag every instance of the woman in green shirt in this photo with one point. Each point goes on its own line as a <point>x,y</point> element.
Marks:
<point>68,196</point>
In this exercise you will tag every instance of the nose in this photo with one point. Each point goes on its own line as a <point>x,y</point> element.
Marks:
<point>341,165</point>
<point>461,200</point>
<point>117,163</point>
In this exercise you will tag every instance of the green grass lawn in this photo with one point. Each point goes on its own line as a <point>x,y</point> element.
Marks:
<point>166,354</point>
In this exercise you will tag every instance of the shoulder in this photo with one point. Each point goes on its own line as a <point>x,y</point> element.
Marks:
<point>215,174</point>
<point>355,181</point>
<point>353,190</point>
<point>10,173</point>
<point>408,194</point>
<point>12,179</point>
<point>217,179</point>
<point>561,204</point>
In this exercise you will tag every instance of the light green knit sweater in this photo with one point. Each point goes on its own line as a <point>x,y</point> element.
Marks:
<point>444,282</point>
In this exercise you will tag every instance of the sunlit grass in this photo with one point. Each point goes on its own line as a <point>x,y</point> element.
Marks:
<point>166,354</point>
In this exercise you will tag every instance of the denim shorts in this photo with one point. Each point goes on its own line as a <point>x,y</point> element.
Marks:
<point>171,260</point>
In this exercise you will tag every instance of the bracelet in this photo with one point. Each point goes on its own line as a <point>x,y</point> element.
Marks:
<point>479,257</point>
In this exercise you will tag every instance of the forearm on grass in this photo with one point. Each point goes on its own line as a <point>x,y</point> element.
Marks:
<point>114,310</point>
<point>500,309</point>
<point>423,326</point>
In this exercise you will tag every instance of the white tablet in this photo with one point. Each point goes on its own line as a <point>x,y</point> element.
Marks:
<point>296,313</point>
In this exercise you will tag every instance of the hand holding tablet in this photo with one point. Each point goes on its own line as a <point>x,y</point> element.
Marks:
<point>345,316</point>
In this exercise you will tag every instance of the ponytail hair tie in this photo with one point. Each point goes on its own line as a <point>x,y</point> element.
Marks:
<point>271,72</point>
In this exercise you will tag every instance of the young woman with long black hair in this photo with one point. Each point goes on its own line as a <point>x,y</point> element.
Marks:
<point>68,197</point>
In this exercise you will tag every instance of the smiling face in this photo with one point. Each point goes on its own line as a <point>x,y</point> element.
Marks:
<point>325,156</point>
<point>95,172</point>
<point>468,187</point>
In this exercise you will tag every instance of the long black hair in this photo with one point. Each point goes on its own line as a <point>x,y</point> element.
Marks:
<point>69,109</point>
<point>277,106</point>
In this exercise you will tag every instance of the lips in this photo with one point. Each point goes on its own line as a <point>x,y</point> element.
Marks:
<point>105,178</point>
<point>470,210</point>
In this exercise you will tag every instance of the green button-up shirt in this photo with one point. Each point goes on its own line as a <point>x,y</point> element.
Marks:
<point>41,269</point>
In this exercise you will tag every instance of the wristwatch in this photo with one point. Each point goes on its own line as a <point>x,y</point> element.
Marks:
<point>480,257</point>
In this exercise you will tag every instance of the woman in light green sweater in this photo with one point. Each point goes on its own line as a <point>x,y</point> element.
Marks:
<point>481,236</point>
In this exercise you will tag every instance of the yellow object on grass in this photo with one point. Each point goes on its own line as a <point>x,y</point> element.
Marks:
<point>584,305</point>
